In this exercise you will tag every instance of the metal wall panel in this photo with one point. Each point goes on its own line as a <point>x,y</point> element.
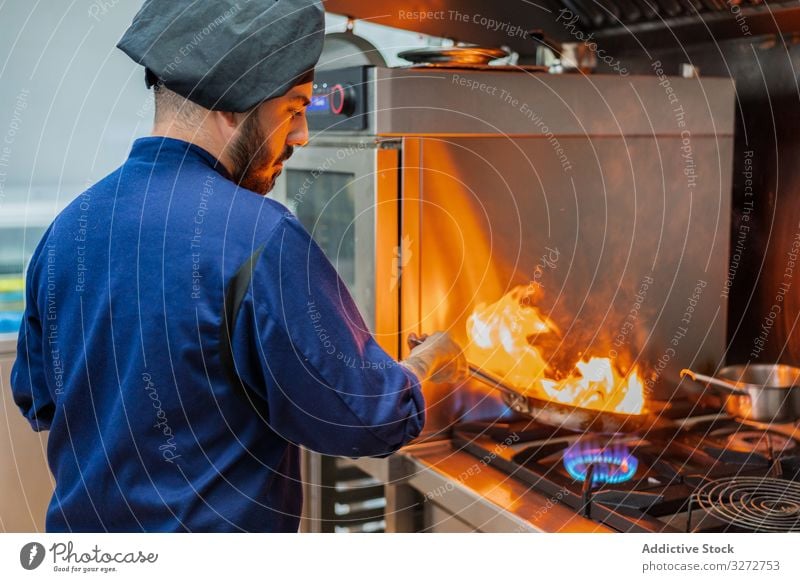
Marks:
<point>499,104</point>
<point>490,209</point>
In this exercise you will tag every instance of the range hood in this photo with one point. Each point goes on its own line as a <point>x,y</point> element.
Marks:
<point>612,22</point>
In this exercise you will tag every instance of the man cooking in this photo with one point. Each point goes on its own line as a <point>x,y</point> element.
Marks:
<point>183,333</point>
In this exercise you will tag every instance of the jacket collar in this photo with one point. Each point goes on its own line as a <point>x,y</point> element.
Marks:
<point>166,149</point>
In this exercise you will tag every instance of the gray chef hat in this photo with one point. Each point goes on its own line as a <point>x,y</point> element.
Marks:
<point>227,55</point>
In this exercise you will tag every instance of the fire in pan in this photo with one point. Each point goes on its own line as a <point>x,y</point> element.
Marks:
<point>508,343</point>
<point>558,414</point>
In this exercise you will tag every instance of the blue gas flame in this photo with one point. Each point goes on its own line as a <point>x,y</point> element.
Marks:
<point>613,463</point>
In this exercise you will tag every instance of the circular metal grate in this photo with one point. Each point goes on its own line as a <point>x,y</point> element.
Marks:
<point>758,441</point>
<point>754,503</point>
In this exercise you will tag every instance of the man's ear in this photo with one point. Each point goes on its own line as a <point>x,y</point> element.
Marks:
<point>227,124</point>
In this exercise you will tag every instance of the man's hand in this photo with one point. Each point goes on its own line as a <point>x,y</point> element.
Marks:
<point>437,358</point>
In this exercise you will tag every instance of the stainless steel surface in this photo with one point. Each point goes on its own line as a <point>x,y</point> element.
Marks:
<point>334,136</point>
<point>370,172</point>
<point>313,483</point>
<point>419,101</point>
<point>759,392</point>
<point>726,385</point>
<point>346,49</point>
<point>459,487</point>
<point>766,178</point>
<point>367,171</point>
<point>338,496</point>
<point>458,492</point>
<point>480,214</point>
<point>755,503</point>
<point>766,375</point>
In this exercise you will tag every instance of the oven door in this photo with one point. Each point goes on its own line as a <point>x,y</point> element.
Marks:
<point>345,193</point>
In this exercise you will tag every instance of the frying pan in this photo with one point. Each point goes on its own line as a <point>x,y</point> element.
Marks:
<point>458,55</point>
<point>557,414</point>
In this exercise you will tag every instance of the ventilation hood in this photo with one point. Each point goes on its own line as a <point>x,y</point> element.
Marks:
<point>611,22</point>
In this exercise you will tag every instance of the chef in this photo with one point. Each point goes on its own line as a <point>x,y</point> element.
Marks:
<point>183,334</point>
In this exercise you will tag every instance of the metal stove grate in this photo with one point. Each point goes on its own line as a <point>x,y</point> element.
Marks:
<point>760,504</point>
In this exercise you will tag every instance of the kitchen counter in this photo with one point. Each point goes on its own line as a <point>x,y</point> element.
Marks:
<point>8,343</point>
<point>25,479</point>
<point>460,493</point>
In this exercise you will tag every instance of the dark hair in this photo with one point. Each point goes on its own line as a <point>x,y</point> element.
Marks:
<point>306,77</point>
<point>151,79</point>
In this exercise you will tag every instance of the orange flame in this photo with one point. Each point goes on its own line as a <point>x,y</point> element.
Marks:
<point>503,340</point>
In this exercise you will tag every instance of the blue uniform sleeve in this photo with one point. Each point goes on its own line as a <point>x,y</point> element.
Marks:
<point>301,342</point>
<point>28,383</point>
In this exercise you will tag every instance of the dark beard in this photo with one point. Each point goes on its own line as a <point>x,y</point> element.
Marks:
<point>250,158</point>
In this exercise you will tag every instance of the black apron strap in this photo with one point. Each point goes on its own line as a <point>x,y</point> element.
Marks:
<point>234,295</point>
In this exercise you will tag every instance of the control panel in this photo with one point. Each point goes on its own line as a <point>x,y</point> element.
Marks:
<point>339,100</point>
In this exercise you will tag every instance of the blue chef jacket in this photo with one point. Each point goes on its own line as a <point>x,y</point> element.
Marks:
<point>181,337</point>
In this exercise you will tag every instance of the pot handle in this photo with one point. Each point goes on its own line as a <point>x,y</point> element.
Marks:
<point>726,385</point>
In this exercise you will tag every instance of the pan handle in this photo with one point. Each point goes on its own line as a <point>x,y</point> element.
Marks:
<point>730,387</point>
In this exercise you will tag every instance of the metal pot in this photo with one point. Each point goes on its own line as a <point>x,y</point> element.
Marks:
<point>759,392</point>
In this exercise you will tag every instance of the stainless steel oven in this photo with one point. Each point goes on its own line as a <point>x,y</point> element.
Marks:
<point>344,187</point>
<point>345,191</point>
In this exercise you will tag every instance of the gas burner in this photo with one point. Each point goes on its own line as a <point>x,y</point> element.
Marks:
<point>759,504</point>
<point>673,475</point>
<point>758,441</point>
<point>612,463</point>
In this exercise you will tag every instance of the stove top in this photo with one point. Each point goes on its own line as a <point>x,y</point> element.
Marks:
<point>693,473</point>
